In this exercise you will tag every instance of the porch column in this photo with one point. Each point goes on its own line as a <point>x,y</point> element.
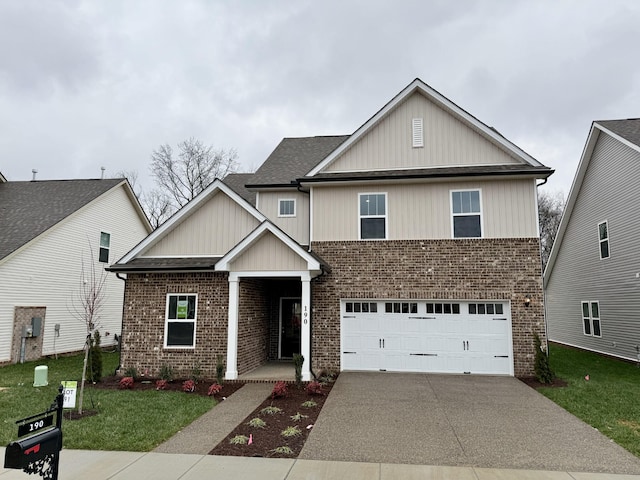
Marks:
<point>232,329</point>
<point>305,334</point>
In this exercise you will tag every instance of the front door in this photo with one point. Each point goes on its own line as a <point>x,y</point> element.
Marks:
<point>290,309</point>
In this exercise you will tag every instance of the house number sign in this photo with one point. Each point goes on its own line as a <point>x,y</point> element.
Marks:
<point>305,315</point>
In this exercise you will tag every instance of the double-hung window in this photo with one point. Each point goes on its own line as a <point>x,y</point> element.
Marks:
<point>105,245</point>
<point>467,214</point>
<point>180,324</point>
<point>286,207</point>
<point>373,216</point>
<point>591,319</point>
<point>603,236</point>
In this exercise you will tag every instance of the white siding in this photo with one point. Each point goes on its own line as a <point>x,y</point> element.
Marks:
<point>48,272</point>
<point>269,254</point>
<point>213,229</point>
<point>447,142</point>
<point>296,227</point>
<point>608,192</point>
<point>423,210</point>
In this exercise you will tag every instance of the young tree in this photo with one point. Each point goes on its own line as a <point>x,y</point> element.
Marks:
<point>550,208</point>
<point>87,304</point>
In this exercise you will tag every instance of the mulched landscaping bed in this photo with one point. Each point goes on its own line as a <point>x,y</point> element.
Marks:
<point>534,383</point>
<point>266,440</point>
<point>201,388</point>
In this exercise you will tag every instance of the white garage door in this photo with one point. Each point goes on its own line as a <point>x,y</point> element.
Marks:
<point>426,336</point>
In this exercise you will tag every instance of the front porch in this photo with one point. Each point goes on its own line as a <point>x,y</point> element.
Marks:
<point>270,371</point>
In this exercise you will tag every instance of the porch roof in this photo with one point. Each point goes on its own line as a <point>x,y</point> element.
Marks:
<point>155,264</point>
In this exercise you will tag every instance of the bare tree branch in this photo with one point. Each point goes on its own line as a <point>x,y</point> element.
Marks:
<point>550,208</point>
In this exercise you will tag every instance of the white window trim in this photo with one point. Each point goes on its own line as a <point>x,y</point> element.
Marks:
<point>386,220</point>
<point>608,240</point>
<point>280,214</point>
<point>479,190</point>
<point>101,247</point>
<point>417,132</point>
<point>591,317</point>
<point>167,320</point>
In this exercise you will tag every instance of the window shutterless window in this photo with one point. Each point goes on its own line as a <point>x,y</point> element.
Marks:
<point>180,324</point>
<point>603,235</point>
<point>373,216</point>
<point>466,214</point>
<point>105,243</point>
<point>286,208</point>
<point>591,319</point>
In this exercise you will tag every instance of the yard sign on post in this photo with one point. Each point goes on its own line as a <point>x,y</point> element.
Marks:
<point>70,389</point>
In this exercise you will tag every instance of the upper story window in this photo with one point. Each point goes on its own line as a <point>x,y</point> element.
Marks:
<point>603,235</point>
<point>373,216</point>
<point>286,207</point>
<point>417,132</point>
<point>591,319</point>
<point>105,245</point>
<point>467,214</point>
<point>180,323</point>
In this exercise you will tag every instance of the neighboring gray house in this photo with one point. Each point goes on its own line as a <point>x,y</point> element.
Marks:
<point>592,279</point>
<point>51,232</point>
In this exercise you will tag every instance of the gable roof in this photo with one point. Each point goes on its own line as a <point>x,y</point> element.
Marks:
<point>237,182</point>
<point>184,212</point>
<point>30,208</point>
<point>292,158</point>
<point>418,85</point>
<point>626,132</point>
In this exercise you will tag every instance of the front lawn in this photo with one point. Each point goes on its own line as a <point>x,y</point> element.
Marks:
<point>608,400</point>
<point>126,420</point>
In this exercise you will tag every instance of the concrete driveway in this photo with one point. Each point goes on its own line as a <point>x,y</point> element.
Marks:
<point>493,422</point>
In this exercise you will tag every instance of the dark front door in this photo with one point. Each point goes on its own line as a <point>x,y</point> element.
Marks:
<point>290,309</point>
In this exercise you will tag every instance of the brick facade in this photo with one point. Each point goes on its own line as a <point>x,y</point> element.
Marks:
<point>253,324</point>
<point>482,269</point>
<point>33,345</point>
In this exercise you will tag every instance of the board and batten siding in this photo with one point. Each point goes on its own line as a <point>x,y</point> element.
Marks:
<point>296,227</point>
<point>447,142</point>
<point>48,273</point>
<point>213,229</point>
<point>268,253</point>
<point>609,192</point>
<point>423,210</point>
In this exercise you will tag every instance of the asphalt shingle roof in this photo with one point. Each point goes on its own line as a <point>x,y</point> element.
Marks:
<point>237,181</point>
<point>293,158</point>
<point>628,129</point>
<point>27,209</point>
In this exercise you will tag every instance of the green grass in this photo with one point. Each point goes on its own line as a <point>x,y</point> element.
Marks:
<point>608,401</point>
<point>126,420</point>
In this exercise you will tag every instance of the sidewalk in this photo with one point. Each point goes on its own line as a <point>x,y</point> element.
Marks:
<point>101,465</point>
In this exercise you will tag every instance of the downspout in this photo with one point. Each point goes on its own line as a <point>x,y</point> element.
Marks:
<point>544,292</point>
<point>121,327</point>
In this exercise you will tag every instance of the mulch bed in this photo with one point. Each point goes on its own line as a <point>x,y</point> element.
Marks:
<point>266,440</point>
<point>534,383</point>
<point>201,388</point>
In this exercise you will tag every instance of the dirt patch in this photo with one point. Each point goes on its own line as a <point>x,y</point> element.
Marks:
<point>534,383</point>
<point>268,441</point>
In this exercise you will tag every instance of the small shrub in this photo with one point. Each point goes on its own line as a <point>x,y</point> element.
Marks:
<point>543,371</point>
<point>161,384</point>
<point>189,386</point>
<point>126,383</point>
<point>214,389</point>
<point>239,440</point>
<point>314,388</point>
<point>131,372</point>
<point>309,404</point>
<point>284,450</point>
<point>279,390</point>
<point>257,423</point>
<point>166,372</point>
<point>196,373</point>
<point>95,359</point>
<point>298,416</point>
<point>270,410</point>
<point>298,360</point>
<point>219,369</point>
<point>291,432</point>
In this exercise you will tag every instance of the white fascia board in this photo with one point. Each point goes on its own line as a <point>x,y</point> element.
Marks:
<point>435,96</point>
<point>624,141</point>
<point>185,211</point>
<point>266,226</point>
<point>590,144</point>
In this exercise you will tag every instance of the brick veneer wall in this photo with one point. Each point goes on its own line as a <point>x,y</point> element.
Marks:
<point>145,299</point>
<point>33,345</point>
<point>253,324</point>
<point>482,269</point>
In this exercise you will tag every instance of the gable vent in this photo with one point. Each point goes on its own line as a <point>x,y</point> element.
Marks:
<point>418,132</point>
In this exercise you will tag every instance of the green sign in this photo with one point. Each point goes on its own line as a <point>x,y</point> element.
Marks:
<point>182,308</point>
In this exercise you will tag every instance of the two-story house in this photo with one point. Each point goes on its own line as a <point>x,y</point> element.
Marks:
<point>410,245</point>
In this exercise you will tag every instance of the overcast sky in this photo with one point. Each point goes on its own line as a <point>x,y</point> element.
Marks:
<point>104,83</point>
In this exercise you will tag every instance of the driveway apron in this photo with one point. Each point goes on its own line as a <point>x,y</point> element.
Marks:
<point>480,421</point>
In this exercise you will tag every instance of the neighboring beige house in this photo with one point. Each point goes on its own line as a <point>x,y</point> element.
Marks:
<point>411,245</point>
<point>592,280</point>
<point>50,231</point>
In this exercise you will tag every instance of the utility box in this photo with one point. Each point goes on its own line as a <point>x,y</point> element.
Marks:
<point>27,331</point>
<point>41,376</point>
<point>36,326</point>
